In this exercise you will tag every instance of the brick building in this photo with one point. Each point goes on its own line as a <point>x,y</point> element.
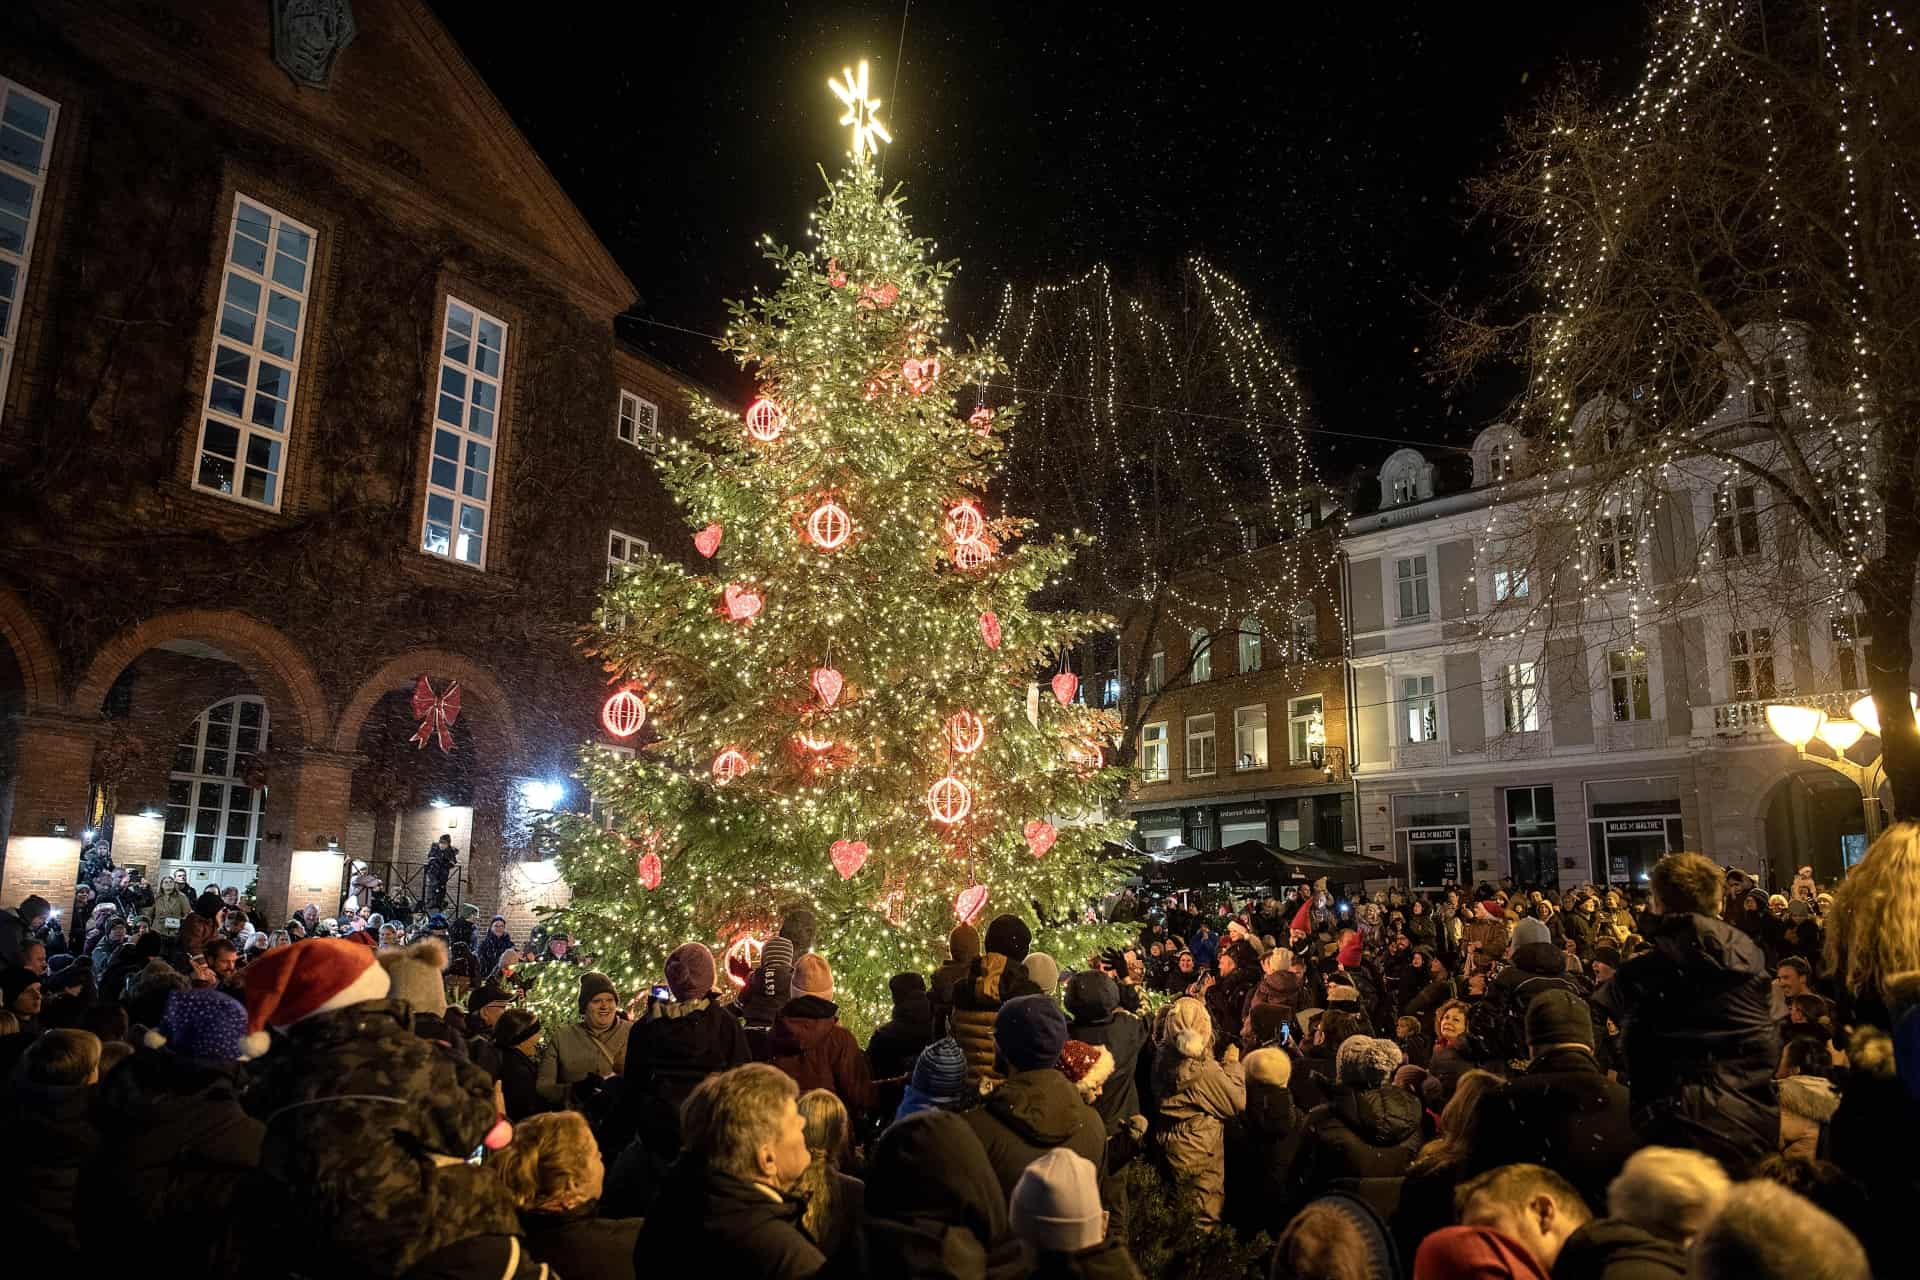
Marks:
<point>308,389</point>
<point>1243,715</point>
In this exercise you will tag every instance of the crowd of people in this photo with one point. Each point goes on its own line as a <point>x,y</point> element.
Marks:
<point>1699,1079</point>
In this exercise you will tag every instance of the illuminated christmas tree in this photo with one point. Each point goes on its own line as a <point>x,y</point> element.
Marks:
<point>843,711</point>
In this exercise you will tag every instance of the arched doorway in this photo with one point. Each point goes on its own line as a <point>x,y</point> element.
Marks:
<point>1812,816</point>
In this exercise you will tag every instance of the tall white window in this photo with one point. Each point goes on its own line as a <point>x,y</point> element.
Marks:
<point>1619,548</point>
<point>1422,708</point>
<point>1200,746</point>
<point>623,549</point>
<point>256,355</point>
<point>1250,737</point>
<point>1153,752</point>
<point>26,145</point>
<point>1410,574</point>
<point>212,815</point>
<point>1157,671</point>
<point>1249,645</point>
<point>1736,522</point>
<point>1304,622</point>
<point>1202,650</point>
<point>1306,728</point>
<point>1627,684</point>
<point>1520,684</point>
<point>1750,664</point>
<point>1510,585</point>
<point>639,421</point>
<point>473,357</point>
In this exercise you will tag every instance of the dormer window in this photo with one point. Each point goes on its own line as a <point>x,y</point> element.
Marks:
<point>1406,477</point>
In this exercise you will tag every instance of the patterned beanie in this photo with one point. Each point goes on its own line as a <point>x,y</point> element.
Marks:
<point>940,1072</point>
<point>206,1024</point>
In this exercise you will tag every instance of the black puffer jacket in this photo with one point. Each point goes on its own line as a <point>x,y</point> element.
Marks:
<point>1357,1133</point>
<point>731,1227</point>
<point>48,1140</point>
<point>671,1052</point>
<point>1609,1249</point>
<point>368,1132</point>
<point>1562,1112</point>
<point>173,1133</point>
<point>1261,1151</point>
<point>1701,1048</point>
<point>1499,1021</point>
<point>934,1206</point>
<point>579,1244</point>
<point>1029,1114</point>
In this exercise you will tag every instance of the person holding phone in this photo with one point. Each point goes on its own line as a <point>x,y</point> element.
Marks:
<point>685,1037</point>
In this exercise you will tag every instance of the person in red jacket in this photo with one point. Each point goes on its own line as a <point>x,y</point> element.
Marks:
<point>809,1044</point>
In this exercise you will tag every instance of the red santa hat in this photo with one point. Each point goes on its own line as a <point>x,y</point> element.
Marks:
<point>312,976</point>
<point>1302,921</point>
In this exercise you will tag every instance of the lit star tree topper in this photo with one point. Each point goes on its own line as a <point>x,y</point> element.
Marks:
<point>863,112</point>
<point>808,755</point>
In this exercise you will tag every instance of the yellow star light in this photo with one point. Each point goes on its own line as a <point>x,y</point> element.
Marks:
<point>862,111</point>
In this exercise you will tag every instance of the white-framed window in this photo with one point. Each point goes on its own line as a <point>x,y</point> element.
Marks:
<point>1510,585</point>
<point>213,816</point>
<point>1736,521</point>
<point>1303,621</point>
<point>1848,632</point>
<point>27,122</point>
<point>466,430</point>
<point>1153,752</point>
<point>1249,645</point>
<point>264,289</point>
<point>1201,668</point>
<point>623,549</point>
<point>1627,685</point>
<point>1200,746</point>
<point>1157,671</point>
<point>1306,728</point>
<point>638,423</point>
<point>1520,689</point>
<point>1619,547</point>
<point>1750,664</point>
<point>1422,702</point>
<point>1250,737</point>
<point>1410,576</point>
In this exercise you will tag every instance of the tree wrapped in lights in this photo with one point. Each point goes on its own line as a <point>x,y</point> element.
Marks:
<point>1717,277</point>
<point>844,703</point>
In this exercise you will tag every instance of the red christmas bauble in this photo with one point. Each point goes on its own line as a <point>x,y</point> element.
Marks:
<point>624,712</point>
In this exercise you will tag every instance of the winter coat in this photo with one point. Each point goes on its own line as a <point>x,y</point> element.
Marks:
<point>731,1227</point>
<point>173,1133</point>
<point>1031,1113</point>
<point>579,1244</point>
<point>895,1044</point>
<point>1701,1048</point>
<point>1357,1133</point>
<point>1578,925</point>
<point>1609,1249</point>
<point>809,1044</point>
<point>671,1052</point>
<point>1124,1036</point>
<point>768,989</point>
<point>14,936</point>
<point>990,983</point>
<point>369,1128</point>
<point>519,1078</point>
<point>1425,1002</point>
<point>1499,1021</point>
<point>49,1140</point>
<point>573,1053</point>
<point>487,953</point>
<point>934,1207</point>
<point>1278,990</point>
<point>1108,1260</point>
<point>1260,1156</point>
<point>497,1257</point>
<point>1562,1112</point>
<point>1226,1002</point>
<point>170,902</point>
<point>1198,1097</point>
<point>940,989</point>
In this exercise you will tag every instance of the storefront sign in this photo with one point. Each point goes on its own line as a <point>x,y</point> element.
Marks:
<point>1636,826</point>
<point>1165,820</point>
<point>1230,813</point>
<point>1617,872</point>
<point>1433,833</point>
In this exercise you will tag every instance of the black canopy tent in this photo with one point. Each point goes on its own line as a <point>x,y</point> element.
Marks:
<point>1251,862</point>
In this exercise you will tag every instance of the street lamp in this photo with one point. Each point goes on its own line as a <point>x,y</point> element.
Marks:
<point>1800,725</point>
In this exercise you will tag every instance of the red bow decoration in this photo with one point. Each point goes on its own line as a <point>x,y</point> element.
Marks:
<point>437,714</point>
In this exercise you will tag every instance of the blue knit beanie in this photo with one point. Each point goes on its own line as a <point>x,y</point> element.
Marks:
<point>1030,1031</point>
<point>940,1072</point>
<point>206,1024</point>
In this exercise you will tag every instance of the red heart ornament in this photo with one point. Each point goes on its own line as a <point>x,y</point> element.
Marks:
<point>990,630</point>
<point>742,602</point>
<point>848,857</point>
<point>827,683</point>
<point>968,905</point>
<point>707,541</point>
<point>1040,837</point>
<point>1065,685</point>
<point>648,869</point>
<point>920,375</point>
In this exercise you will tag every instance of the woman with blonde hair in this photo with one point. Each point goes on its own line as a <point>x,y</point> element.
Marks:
<point>1197,1097</point>
<point>834,1200</point>
<point>1873,929</point>
<point>553,1174</point>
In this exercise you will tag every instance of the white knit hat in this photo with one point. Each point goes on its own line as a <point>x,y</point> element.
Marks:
<point>1055,1205</point>
<point>1366,1062</point>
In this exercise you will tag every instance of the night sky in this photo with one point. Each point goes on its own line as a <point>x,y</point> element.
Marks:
<point>1321,159</point>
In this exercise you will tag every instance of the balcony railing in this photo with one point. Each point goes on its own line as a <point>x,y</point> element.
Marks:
<point>1748,718</point>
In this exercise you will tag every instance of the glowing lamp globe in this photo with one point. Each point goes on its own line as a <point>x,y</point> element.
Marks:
<point>624,713</point>
<point>965,732</point>
<point>1794,724</point>
<point>829,527</point>
<point>1868,713</point>
<point>765,420</point>
<point>730,764</point>
<point>1842,733</point>
<point>949,800</point>
<point>965,523</point>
